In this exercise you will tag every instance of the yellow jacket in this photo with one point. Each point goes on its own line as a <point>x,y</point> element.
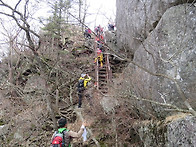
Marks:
<point>86,80</point>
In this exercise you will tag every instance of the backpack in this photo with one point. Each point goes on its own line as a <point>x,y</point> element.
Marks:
<point>58,139</point>
<point>81,85</point>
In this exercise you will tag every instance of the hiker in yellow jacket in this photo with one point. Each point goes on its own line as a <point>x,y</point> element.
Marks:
<point>99,57</point>
<point>82,84</point>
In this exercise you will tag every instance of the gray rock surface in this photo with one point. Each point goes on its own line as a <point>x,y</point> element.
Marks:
<point>18,135</point>
<point>108,104</point>
<point>111,40</point>
<point>4,130</point>
<point>169,50</point>
<point>180,132</point>
<point>136,19</point>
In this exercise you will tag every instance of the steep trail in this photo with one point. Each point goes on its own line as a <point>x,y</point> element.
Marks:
<point>103,74</point>
<point>75,116</point>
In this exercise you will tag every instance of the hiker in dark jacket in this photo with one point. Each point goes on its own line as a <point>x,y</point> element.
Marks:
<point>87,33</point>
<point>82,85</point>
<point>110,27</point>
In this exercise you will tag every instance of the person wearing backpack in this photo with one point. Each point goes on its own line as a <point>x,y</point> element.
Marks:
<point>87,33</point>
<point>63,137</point>
<point>82,85</point>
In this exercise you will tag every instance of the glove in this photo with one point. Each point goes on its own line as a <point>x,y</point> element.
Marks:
<point>82,127</point>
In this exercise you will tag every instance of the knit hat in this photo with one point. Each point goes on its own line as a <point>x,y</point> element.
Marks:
<point>62,122</point>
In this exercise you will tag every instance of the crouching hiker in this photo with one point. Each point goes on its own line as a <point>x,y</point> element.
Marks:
<point>63,137</point>
<point>82,85</point>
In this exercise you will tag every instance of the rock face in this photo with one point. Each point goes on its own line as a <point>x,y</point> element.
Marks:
<point>136,19</point>
<point>162,36</point>
<point>111,40</point>
<point>169,50</point>
<point>175,133</point>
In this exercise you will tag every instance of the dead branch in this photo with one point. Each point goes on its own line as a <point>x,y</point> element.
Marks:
<point>176,83</point>
<point>174,108</point>
<point>70,94</point>
<point>25,26</point>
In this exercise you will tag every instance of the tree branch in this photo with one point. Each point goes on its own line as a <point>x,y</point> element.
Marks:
<point>25,26</point>
<point>174,108</point>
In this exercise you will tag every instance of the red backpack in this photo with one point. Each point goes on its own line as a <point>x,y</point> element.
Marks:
<point>58,139</point>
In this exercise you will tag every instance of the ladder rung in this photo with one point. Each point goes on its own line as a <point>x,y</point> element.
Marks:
<point>102,69</point>
<point>103,80</point>
<point>102,83</point>
<point>103,75</point>
<point>102,72</point>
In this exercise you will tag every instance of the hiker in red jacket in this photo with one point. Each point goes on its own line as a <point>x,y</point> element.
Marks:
<point>98,30</point>
<point>100,42</point>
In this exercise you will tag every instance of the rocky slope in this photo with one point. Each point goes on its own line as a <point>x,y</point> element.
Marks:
<point>42,92</point>
<point>136,19</point>
<point>144,105</point>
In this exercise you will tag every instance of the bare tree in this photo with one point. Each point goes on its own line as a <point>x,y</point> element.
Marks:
<point>82,11</point>
<point>21,19</point>
<point>10,34</point>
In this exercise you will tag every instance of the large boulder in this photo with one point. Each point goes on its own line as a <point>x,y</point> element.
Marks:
<point>168,55</point>
<point>136,19</point>
<point>175,131</point>
<point>110,38</point>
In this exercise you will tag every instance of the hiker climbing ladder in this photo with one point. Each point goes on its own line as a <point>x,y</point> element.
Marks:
<point>103,74</point>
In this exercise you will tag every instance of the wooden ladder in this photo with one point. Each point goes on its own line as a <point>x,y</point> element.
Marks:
<point>103,74</point>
